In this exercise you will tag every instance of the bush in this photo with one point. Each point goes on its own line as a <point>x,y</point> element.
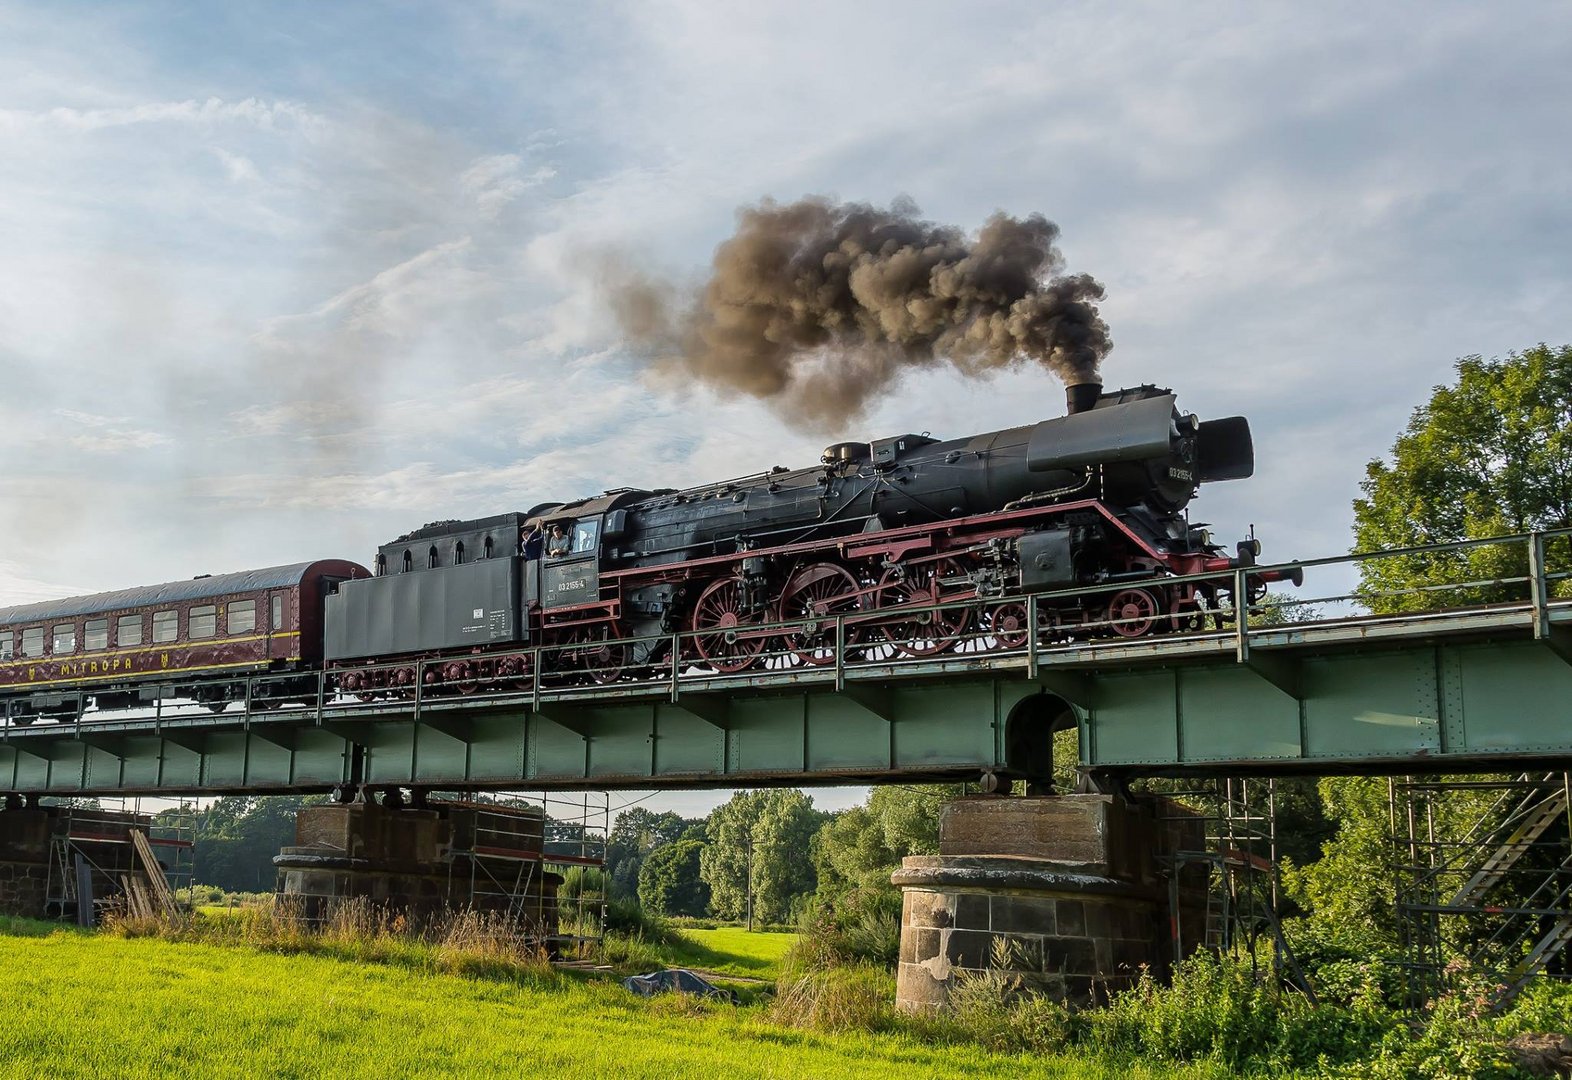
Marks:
<point>1346,963</point>
<point>1544,1007</point>
<point>991,1008</point>
<point>1218,1008</point>
<point>865,927</point>
<point>627,918</point>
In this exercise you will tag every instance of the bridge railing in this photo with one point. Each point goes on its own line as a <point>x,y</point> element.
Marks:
<point>1524,576</point>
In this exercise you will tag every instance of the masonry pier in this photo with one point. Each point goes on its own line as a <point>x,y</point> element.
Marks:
<point>77,862</point>
<point>1068,892</point>
<point>422,862</point>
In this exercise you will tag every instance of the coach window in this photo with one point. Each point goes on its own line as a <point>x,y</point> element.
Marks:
<point>95,635</point>
<point>33,641</point>
<point>202,621</point>
<point>128,631</point>
<point>63,642</point>
<point>166,626</point>
<point>7,644</point>
<point>242,616</point>
<point>278,611</point>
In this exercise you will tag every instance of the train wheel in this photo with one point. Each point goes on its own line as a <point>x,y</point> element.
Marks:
<point>1008,625</point>
<point>604,656</point>
<point>718,619</point>
<point>814,595</point>
<point>928,632</point>
<point>1133,612</point>
<point>461,675</point>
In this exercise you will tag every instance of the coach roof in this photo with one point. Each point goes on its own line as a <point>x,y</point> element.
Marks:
<point>174,592</point>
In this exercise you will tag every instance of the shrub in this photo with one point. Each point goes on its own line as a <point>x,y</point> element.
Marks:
<point>627,918</point>
<point>1219,1008</point>
<point>865,927</point>
<point>1544,1007</point>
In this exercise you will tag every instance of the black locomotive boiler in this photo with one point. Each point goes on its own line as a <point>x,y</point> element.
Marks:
<point>760,570</point>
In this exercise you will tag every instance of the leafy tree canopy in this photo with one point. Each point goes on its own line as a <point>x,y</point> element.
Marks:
<point>636,834</point>
<point>1489,455</point>
<point>781,823</point>
<point>670,884</point>
<point>861,846</point>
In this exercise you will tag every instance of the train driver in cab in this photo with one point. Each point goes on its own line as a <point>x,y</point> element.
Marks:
<point>557,541</point>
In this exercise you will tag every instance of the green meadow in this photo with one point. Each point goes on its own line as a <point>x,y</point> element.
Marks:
<point>94,1005</point>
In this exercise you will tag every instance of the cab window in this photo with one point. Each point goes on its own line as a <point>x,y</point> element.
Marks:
<point>95,635</point>
<point>33,641</point>
<point>166,626</point>
<point>559,540</point>
<point>584,534</point>
<point>202,621</point>
<point>63,641</point>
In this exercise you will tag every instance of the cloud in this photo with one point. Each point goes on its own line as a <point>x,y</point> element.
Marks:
<point>211,111</point>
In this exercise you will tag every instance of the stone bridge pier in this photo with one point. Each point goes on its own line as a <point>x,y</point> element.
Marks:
<point>1069,892</point>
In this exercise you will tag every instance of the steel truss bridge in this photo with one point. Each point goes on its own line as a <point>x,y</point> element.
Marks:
<point>1471,674</point>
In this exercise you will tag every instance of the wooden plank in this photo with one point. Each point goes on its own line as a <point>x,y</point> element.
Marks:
<point>158,884</point>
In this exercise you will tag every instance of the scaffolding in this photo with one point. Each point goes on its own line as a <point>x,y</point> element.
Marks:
<point>1236,872</point>
<point>555,880</point>
<point>112,855</point>
<point>578,827</point>
<point>1483,872</point>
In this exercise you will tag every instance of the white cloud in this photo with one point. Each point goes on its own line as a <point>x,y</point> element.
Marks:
<point>211,111</point>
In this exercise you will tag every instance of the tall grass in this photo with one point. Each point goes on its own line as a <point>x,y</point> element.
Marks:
<point>476,944</point>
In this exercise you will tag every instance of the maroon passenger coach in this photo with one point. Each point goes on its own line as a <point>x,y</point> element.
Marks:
<point>181,639</point>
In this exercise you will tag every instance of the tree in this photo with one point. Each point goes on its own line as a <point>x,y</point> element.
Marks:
<point>1488,456</point>
<point>636,834</point>
<point>238,835</point>
<point>780,824</point>
<point>670,882</point>
<point>860,847</point>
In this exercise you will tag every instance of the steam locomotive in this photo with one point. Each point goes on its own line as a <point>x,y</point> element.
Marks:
<point>907,546</point>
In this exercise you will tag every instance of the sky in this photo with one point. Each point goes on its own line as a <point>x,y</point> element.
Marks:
<point>281,281</point>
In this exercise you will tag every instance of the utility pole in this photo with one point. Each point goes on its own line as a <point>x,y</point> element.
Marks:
<point>748,842</point>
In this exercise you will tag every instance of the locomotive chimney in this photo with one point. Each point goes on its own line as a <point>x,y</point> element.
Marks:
<point>1081,396</point>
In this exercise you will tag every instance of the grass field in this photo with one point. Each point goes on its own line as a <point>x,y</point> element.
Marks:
<point>732,950</point>
<point>83,1005</point>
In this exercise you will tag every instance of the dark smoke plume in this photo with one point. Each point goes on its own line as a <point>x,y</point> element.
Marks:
<point>818,306</point>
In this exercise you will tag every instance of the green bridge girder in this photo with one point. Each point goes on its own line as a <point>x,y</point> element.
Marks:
<point>1450,691</point>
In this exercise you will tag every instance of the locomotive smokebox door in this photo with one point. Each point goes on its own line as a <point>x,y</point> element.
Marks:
<point>1047,560</point>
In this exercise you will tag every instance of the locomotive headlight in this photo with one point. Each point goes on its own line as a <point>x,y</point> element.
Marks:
<point>1186,426</point>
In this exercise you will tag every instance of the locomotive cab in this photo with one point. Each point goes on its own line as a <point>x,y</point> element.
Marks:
<point>570,562</point>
